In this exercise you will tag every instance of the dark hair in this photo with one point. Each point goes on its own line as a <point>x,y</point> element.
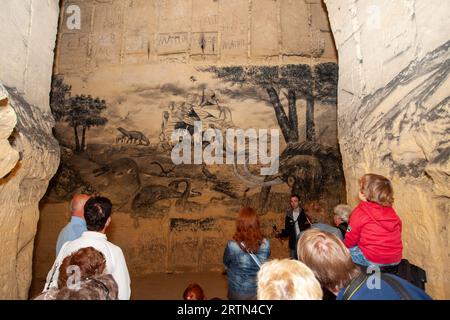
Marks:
<point>193,292</point>
<point>96,212</point>
<point>248,230</point>
<point>377,189</point>
<point>295,196</point>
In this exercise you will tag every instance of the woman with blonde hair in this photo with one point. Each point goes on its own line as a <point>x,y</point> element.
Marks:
<point>287,279</point>
<point>244,255</point>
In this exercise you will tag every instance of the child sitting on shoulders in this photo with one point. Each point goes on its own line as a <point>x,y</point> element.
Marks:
<point>374,234</point>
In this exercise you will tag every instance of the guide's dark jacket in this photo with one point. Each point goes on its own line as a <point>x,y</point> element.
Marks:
<point>289,227</point>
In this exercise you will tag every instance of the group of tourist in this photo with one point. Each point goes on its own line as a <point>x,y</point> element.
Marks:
<point>346,260</point>
<point>330,254</point>
<point>87,265</point>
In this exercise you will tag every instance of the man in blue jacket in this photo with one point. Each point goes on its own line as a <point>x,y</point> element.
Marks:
<point>77,224</point>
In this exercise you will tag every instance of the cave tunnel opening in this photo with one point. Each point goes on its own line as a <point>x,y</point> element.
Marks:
<point>122,84</point>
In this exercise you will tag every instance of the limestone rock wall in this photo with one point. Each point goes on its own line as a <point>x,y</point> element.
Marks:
<point>138,32</point>
<point>28,33</point>
<point>393,116</point>
<point>8,120</point>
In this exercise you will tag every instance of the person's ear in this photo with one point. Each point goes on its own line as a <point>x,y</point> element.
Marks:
<point>362,197</point>
<point>108,222</point>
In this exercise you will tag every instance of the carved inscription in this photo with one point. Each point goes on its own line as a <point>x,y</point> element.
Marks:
<point>234,29</point>
<point>204,43</point>
<point>140,24</point>
<point>205,16</point>
<point>172,42</point>
<point>73,50</point>
<point>106,49</point>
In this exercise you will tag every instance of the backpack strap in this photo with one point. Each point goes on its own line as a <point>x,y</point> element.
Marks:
<point>254,257</point>
<point>354,286</point>
<point>358,282</point>
<point>397,286</point>
<point>55,268</point>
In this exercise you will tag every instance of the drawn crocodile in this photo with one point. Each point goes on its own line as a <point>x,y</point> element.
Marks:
<point>133,137</point>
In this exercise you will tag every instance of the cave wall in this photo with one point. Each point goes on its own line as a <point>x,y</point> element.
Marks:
<point>8,120</point>
<point>393,116</point>
<point>151,59</point>
<point>28,37</point>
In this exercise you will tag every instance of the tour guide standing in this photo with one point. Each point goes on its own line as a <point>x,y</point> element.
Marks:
<point>294,223</point>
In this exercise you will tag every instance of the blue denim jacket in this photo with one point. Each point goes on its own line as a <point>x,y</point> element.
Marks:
<point>242,269</point>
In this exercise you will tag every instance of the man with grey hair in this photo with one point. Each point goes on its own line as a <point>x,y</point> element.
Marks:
<point>342,213</point>
<point>77,224</point>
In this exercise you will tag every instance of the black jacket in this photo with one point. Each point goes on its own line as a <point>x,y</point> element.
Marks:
<point>289,227</point>
<point>343,228</point>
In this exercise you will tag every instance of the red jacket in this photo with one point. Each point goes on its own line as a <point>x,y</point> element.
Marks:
<point>377,231</point>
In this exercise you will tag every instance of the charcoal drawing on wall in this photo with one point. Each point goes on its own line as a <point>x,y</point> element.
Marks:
<point>120,145</point>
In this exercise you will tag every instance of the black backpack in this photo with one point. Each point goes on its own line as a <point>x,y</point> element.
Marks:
<point>405,270</point>
<point>412,273</point>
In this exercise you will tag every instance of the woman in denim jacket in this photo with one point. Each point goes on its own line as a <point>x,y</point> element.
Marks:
<point>243,256</point>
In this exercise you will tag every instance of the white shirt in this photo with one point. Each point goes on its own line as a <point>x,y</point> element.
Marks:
<point>295,214</point>
<point>115,261</point>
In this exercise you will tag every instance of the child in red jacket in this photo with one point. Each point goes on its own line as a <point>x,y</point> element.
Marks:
<point>374,234</point>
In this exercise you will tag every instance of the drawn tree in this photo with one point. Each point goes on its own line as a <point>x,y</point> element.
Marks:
<point>60,96</point>
<point>85,113</point>
<point>314,84</point>
<point>300,81</point>
<point>80,112</point>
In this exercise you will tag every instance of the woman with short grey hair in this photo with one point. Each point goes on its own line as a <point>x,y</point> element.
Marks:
<point>342,214</point>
